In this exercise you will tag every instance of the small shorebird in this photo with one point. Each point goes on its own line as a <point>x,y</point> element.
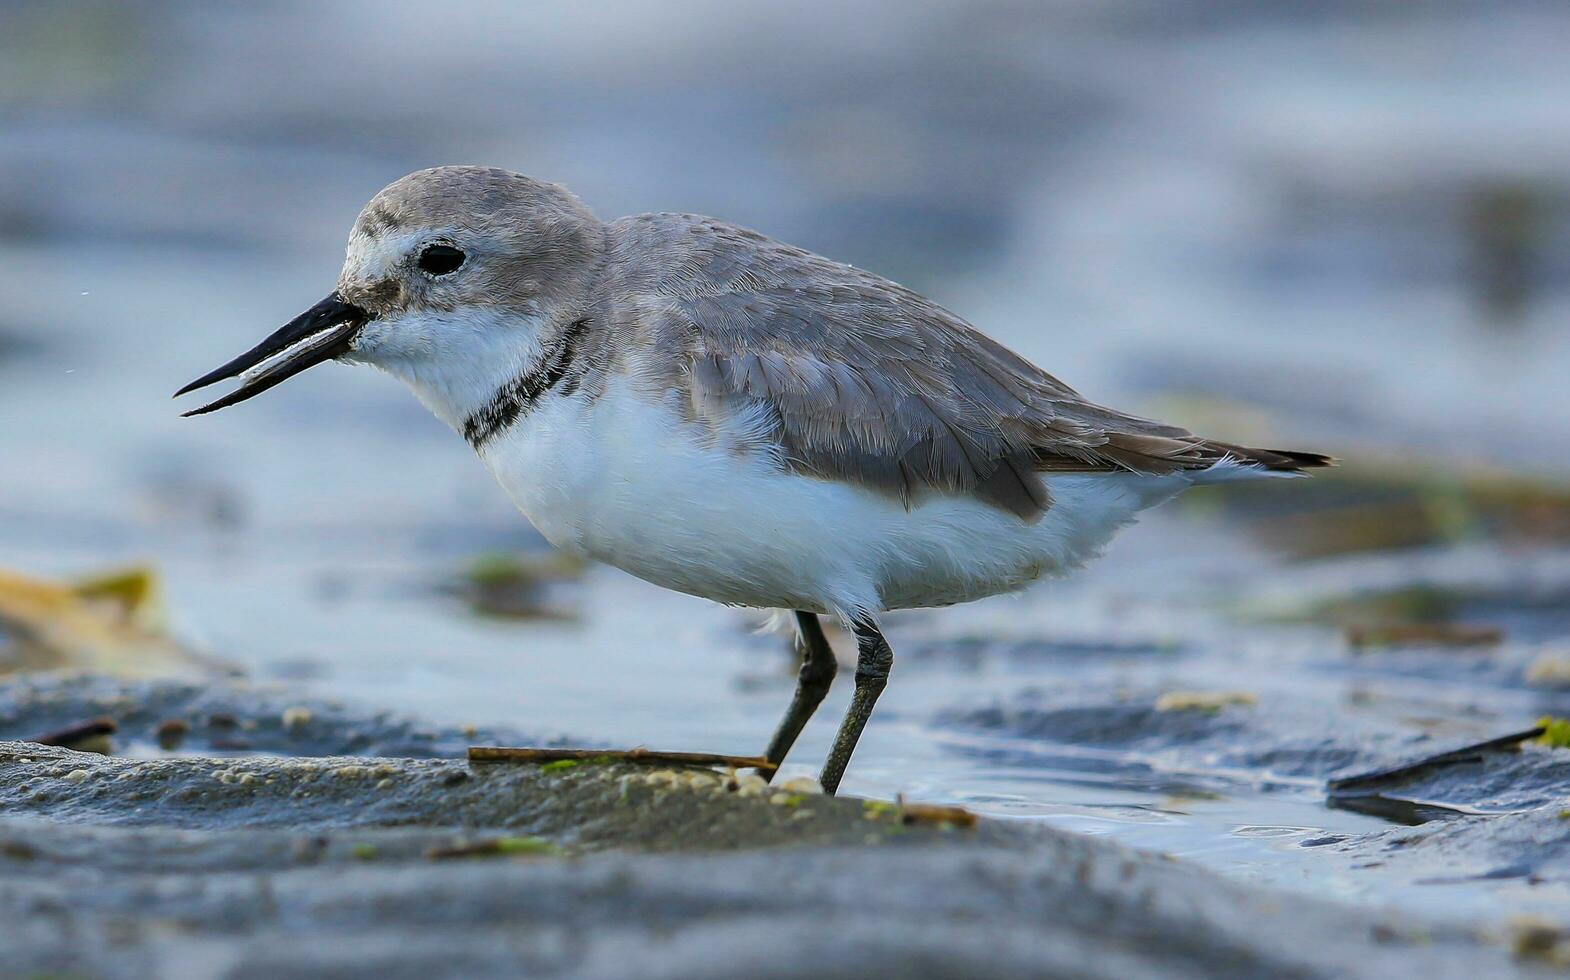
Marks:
<point>728,416</point>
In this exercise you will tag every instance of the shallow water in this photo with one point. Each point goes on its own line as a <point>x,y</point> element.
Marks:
<point>1029,708</point>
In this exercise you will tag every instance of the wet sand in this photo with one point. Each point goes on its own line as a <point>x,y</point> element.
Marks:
<point>261,865</point>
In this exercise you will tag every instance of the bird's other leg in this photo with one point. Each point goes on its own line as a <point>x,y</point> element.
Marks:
<point>873,660</point>
<point>812,683</point>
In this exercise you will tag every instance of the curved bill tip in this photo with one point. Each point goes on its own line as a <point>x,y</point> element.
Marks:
<point>323,332</point>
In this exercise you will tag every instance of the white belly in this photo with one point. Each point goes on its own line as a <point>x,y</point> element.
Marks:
<point>624,482</point>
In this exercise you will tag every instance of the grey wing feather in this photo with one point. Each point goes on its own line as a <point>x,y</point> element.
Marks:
<point>868,382</point>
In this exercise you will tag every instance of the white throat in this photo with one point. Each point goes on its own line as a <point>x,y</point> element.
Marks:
<point>454,362</point>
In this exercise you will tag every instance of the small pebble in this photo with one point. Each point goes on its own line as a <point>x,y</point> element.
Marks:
<point>296,718</point>
<point>701,779</point>
<point>76,776</point>
<point>751,784</point>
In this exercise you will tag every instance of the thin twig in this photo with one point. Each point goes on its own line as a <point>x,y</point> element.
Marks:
<point>491,753</point>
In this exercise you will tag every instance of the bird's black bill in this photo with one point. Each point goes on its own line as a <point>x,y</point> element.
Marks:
<point>321,333</point>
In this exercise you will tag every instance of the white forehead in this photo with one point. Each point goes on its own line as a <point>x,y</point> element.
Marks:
<point>374,257</point>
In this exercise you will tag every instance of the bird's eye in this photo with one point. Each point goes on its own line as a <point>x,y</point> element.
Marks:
<point>439,260</point>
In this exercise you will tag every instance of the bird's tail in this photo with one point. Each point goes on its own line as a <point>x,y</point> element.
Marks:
<point>1159,450</point>
<point>1246,463</point>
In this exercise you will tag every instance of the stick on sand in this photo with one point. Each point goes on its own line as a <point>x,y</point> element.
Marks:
<point>492,753</point>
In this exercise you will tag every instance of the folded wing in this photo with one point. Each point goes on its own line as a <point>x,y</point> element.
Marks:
<point>865,381</point>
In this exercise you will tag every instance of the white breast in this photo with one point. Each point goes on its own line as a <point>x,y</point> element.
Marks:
<point>626,482</point>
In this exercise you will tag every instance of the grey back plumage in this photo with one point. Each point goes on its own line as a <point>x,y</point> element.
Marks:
<point>865,381</point>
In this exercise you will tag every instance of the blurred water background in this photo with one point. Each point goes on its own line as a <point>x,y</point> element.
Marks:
<point>1334,226</point>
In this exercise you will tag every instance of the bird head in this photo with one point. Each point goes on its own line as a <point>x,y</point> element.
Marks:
<point>451,277</point>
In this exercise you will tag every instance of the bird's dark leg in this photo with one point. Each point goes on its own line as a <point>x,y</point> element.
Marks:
<point>812,683</point>
<point>873,660</point>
